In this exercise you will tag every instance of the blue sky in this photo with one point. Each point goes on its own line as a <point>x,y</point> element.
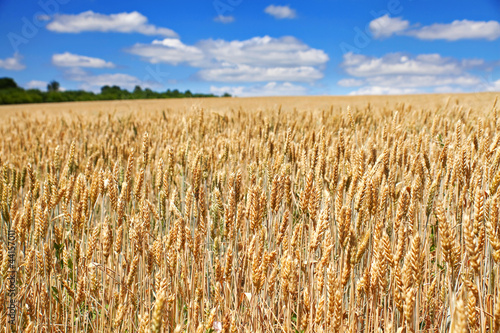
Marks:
<point>252,48</point>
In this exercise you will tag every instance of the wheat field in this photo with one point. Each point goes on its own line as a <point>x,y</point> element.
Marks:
<point>300,214</point>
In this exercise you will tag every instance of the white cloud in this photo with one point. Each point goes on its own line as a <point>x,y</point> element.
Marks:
<point>456,30</point>
<point>13,63</point>
<point>405,81</point>
<point>95,82</point>
<point>386,26</point>
<point>171,51</point>
<point>74,60</point>
<point>269,89</point>
<point>267,51</point>
<point>245,73</point>
<point>398,64</point>
<point>133,22</point>
<point>40,85</point>
<point>89,81</point>
<point>255,59</point>
<point>448,89</point>
<point>35,84</point>
<point>281,12</point>
<point>224,19</point>
<point>493,86</point>
<point>396,73</point>
<point>351,83</point>
<point>123,80</point>
<point>376,90</point>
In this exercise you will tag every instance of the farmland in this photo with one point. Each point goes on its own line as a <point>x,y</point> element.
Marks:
<point>283,214</point>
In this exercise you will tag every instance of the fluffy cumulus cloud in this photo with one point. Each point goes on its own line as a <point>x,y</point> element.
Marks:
<point>448,89</point>
<point>74,60</point>
<point>77,68</point>
<point>133,22</point>
<point>169,50</point>
<point>377,90</point>
<point>280,12</point>
<point>466,80</point>
<point>402,73</point>
<point>494,86</point>
<point>265,51</point>
<point>94,82</point>
<point>256,59</point>
<point>268,89</point>
<point>13,63</point>
<point>464,29</point>
<point>245,73</point>
<point>36,84</point>
<point>400,64</point>
<point>386,26</point>
<point>351,82</point>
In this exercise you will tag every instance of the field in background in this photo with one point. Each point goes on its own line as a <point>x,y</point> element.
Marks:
<point>292,214</point>
<point>302,103</point>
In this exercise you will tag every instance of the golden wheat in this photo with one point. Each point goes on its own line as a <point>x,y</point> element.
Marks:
<point>381,216</point>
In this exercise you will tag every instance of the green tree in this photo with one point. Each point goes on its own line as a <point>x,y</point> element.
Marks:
<point>11,93</point>
<point>7,82</point>
<point>137,90</point>
<point>53,86</point>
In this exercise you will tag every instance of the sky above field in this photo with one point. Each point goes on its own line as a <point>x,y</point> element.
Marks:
<point>254,47</point>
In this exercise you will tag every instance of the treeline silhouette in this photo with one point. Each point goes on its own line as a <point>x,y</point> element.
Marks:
<point>11,93</point>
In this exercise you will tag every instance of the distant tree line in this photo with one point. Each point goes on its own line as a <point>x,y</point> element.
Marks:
<point>11,93</point>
